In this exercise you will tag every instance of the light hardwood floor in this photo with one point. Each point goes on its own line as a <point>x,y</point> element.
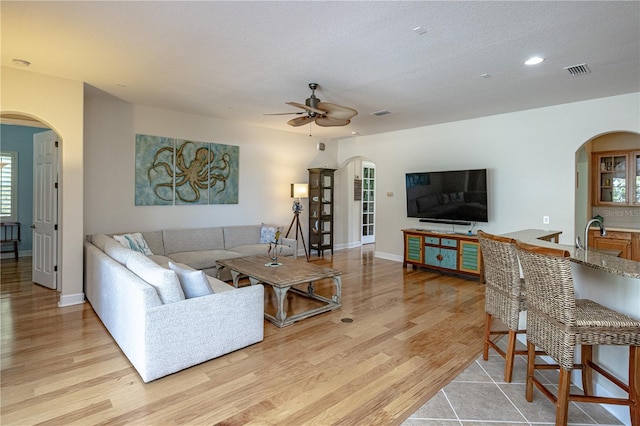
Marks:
<point>412,331</point>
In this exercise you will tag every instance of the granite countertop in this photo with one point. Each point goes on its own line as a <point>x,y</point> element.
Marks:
<point>605,260</point>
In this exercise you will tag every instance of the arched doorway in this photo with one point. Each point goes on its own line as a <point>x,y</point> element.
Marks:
<point>36,145</point>
<point>615,216</point>
<point>357,201</point>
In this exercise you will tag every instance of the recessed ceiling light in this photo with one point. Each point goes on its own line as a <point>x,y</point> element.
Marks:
<point>121,85</point>
<point>420,30</point>
<point>485,75</point>
<point>534,60</point>
<point>20,63</point>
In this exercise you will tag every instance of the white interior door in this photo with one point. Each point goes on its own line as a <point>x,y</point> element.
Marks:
<point>368,203</point>
<point>45,208</point>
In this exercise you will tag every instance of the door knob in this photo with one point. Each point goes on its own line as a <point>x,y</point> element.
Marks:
<point>33,226</point>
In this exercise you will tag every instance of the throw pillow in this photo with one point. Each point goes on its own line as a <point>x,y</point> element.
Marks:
<point>100,241</point>
<point>165,281</point>
<point>267,234</point>
<point>135,242</point>
<point>117,252</point>
<point>194,282</point>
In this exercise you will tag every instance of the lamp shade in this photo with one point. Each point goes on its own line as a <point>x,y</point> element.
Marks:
<point>299,190</point>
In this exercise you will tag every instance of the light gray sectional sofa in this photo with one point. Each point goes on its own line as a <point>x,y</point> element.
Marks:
<point>141,302</point>
<point>200,248</point>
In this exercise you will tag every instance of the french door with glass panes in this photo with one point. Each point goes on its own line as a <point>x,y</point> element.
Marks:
<point>368,203</point>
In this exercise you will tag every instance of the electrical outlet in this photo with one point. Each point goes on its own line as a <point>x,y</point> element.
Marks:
<point>545,220</point>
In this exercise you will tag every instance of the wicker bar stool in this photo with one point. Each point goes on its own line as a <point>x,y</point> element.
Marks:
<point>504,298</point>
<point>557,322</point>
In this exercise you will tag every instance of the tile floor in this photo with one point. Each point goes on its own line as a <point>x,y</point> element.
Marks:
<point>480,396</point>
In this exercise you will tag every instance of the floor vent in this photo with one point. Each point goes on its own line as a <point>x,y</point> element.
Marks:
<point>581,69</point>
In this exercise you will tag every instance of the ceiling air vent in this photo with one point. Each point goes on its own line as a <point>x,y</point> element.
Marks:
<point>576,70</point>
<point>381,112</point>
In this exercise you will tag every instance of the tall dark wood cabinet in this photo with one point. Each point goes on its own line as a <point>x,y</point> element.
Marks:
<point>321,210</point>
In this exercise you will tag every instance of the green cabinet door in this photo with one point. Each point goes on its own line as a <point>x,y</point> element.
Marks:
<point>469,256</point>
<point>413,248</point>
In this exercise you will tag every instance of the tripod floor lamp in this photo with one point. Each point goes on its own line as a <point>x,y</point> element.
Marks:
<point>298,191</point>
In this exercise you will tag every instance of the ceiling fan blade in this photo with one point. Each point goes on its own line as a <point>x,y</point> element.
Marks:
<point>331,122</point>
<point>303,106</point>
<point>300,121</point>
<point>338,111</point>
<point>283,113</point>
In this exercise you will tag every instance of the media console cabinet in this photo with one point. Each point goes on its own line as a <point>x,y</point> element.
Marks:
<point>446,252</point>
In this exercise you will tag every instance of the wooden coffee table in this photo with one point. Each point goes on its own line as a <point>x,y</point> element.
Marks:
<point>282,278</point>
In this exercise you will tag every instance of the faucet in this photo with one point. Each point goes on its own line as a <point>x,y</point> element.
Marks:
<point>603,232</point>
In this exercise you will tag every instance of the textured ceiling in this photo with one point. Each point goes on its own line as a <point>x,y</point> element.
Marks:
<point>239,60</point>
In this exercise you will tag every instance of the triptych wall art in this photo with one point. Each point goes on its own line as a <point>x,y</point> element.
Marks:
<point>176,171</point>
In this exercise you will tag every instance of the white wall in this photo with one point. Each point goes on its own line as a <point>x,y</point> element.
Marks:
<point>59,104</point>
<point>530,156</point>
<point>269,162</point>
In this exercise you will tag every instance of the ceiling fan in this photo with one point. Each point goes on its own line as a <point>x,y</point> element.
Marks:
<point>324,114</point>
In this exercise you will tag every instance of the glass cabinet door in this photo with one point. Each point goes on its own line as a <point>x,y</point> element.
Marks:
<point>612,182</point>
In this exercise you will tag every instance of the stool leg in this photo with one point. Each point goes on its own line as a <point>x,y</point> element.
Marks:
<point>634,385</point>
<point>15,249</point>
<point>511,349</point>
<point>586,354</point>
<point>487,336</point>
<point>531,361</point>
<point>562,405</point>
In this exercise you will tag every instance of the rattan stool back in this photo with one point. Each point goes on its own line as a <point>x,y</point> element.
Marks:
<point>504,298</point>
<point>557,322</point>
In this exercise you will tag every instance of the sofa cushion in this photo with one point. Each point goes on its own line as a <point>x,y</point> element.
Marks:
<point>188,240</point>
<point>262,249</point>
<point>160,260</point>
<point>194,283</point>
<point>135,242</point>
<point>203,259</point>
<point>117,251</point>
<point>154,241</point>
<point>165,281</point>
<point>252,249</point>
<point>241,235</point>
<point>100,240</point>
<point>219,286</point>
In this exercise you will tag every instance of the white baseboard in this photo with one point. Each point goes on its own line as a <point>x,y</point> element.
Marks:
<point>71,299</point>
<point>389,256</point>
<point>344,246</point>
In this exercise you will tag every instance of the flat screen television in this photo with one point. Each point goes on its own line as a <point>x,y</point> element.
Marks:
<point>459,195</point>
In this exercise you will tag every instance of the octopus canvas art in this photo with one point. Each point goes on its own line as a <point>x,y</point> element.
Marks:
<point>175,171</point>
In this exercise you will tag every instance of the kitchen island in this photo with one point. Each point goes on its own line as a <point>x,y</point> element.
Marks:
<point>606,279</point>
<point>605,260</point>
